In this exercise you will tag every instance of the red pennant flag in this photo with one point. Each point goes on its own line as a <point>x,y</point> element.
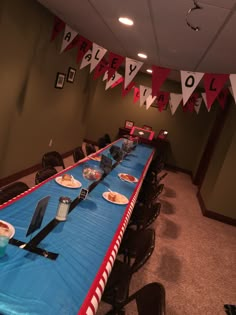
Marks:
<point>58,26</point>
<point>114,63</point>
<point>223,97</point>
<point>129,87</point>
<point>100,69</point>
<point>189,106</point>
<point>136,94</point>
<point>84,45</point>
<point>213,84</point>
<point>117,82</point>
<point>159,76</point>
<point>73,44</point>
<point>162,100</point>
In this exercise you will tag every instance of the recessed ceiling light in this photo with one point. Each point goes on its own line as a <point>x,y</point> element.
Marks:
<point>141,55</point>
<point>126,21</point>
<point>149,70</point>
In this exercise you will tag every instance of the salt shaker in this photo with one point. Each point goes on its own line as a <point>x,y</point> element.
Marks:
<point>63,208</point>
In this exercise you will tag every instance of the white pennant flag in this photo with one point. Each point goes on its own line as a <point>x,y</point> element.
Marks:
<point>69,35</point>
<point>198,104</point>
<point>174,101</point>
<point>232,78</point>
<point>116,76</point>
<point>105,77</point>
<point>205,101</point>
<point>231,90</point>
<point>97,55</point>
<point>189,81</point>
<point>86,59</point>
<point>144,92</point>
<point>131,69</point>
<point>150,100</point>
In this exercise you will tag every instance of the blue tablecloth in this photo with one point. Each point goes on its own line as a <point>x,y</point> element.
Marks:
<point>31,284</point>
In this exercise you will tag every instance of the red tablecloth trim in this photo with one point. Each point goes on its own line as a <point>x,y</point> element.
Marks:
<point>91,301</point>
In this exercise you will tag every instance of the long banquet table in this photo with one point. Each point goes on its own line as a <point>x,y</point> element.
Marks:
<point>87,242</point>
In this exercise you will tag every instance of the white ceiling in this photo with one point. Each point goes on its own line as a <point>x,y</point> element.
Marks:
<point>160,30</point>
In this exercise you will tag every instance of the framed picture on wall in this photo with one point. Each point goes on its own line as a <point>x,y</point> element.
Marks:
<point>147,127</point>
<point>60,80</point>
<point>129,124</point>
<point>71,75</point>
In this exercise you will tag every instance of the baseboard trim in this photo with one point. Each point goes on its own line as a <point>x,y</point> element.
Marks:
<point>214,215</point>
<point>12,178</point>
<point>174,168</point>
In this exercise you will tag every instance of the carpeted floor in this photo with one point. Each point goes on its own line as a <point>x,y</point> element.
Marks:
<point>194,258</point>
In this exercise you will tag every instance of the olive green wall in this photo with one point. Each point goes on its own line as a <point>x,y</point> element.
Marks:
<point>32,111</point>
<point>188,132</point>
<point>218,188</point>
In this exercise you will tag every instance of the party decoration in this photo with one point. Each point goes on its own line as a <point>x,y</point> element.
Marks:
<point>162,100</point>
<point>136,94</point>
<point>149,101</point>
<point>213,84</point>
<point>232,90</point>
<point>114,63</point>
<point>223,97</point>
<point>100,69</point>
<point>205,101</point>
<point>120,80</point>
<point>98,53</point>
<point>189,81</point>
<point>174,102</point>
<point>68,37</point>
<point>83,46</point>
<point>131,69</point>
<point>113,80</point>
<point>58,26</point>
<point>125,91</point>
<point>73,44</point>
<point>144,93</point>
<point>159,76</point>
<point>198,104</point>
<point>86,59</point>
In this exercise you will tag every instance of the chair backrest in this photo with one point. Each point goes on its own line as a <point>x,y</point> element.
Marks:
<point>144,250</point>
<point>52,159</point>
<point>150,299</point>
<point>10,191</point>
<point>90,148</point>
<point>78,154</point>
<point>44,173</point>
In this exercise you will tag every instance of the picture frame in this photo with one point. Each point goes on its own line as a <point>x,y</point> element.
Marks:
<point>129,124</point>
<point>146,127</point>
<point>60,80</point>
<point>71,75</point>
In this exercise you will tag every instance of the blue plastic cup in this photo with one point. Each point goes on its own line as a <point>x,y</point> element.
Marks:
<point>3,245</point>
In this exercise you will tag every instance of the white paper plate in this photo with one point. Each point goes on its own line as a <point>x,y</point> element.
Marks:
<point>125,177</point>
<point>122,200</point>
<point>10,227</point>
<point>74,184</point>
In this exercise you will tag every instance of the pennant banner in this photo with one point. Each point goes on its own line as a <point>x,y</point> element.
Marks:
<point>162,100</point>
<point>86,59</point>
<point>150,100</point>
<point>189,81</point>
<point>144,93</point>
<point>213,85</point>
<point>83,46</point>
<point>232,89</point>
<point>136,94</point>
<point>113,80</point>
<point>100,69</point>
<point>98,53</point>
<point>223,97</point>
<point>131,69</point>
<point>58,26</point>
<point>115,62</point>
<point>205,101</point>
<point>120,80</point>
<point>159,76</point>
<point>198,104</point>
<point>68,37</point>
<point>175,100</point>
<point>73,44</point>
<point>125,91</point>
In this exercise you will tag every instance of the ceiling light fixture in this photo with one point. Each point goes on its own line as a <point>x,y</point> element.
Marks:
<point>196,7</point>
<point>149,70</point>
<point>126,21</point>
<point>141,55</point>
